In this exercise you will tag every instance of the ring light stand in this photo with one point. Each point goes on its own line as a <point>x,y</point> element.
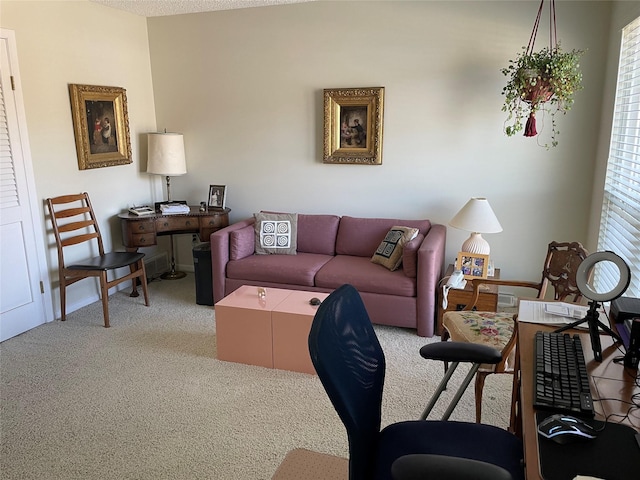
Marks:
<point>582,277</point>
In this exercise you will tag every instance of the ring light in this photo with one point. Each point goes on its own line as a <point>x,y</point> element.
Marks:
<point>584,269</point>
<point>582,277</point>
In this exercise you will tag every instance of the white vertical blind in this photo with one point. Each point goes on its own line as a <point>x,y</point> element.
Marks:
<point>620,221</point>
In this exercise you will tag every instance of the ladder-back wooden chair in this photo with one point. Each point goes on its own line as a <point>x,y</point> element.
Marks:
<point>497,329</point>
<point>74,223</point>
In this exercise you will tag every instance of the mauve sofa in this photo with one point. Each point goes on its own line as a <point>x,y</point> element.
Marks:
<point>332,251</point>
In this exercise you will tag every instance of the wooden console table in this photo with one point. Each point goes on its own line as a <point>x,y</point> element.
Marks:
<point>143,230</point>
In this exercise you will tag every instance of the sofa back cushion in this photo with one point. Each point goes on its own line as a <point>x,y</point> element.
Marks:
<point>317,233</point>
<point>361,236</point>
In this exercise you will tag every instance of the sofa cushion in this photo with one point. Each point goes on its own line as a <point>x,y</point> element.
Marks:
<point>389,252</point>
<point>410,256</point>
<point>361,236</point>
<point>276,233</point>
<point>290,269</point>
<point>241,242</point>
<point>365,276</point>
<point>317,233</point>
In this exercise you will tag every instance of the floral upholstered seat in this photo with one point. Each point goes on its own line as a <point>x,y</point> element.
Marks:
<point>496,329</point>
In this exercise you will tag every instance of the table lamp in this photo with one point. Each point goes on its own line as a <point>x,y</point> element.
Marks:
<point>476,217</point>
<point>166,157</point>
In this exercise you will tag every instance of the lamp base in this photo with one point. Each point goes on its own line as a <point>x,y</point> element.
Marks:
<point>173,275</point>
<point>476,244</point>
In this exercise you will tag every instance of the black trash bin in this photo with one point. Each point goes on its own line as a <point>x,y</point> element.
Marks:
<point>202,269</point>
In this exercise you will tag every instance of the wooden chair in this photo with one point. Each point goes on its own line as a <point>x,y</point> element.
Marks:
<point>497,329</point>
<point>74,223</point>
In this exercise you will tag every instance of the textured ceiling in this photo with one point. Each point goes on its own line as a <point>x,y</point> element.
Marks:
<point>158,8</point>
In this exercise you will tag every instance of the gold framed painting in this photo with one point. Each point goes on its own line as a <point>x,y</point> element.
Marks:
<point>353,119</point>
<point>473,265</point>
<point>100,125</point>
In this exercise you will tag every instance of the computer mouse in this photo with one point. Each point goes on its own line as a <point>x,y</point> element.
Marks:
<point>562,428</point>
<point>315,301</point>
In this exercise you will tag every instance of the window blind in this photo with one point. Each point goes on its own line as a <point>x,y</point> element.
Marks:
<point>620,220</point>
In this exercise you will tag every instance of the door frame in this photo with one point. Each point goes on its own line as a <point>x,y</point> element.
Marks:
<point>27,166</point>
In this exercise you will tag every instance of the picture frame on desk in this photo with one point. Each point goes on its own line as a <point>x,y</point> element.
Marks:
<point>217,196</point>
<point>473,265</point>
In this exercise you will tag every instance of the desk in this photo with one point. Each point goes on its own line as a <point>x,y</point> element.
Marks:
<point>608,380</point>
<point>143,230</point>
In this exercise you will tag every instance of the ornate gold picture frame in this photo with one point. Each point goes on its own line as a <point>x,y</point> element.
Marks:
<point>100,125</point>
<point>353,120</point>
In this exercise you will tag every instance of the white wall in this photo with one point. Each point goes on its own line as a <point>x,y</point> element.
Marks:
<point>245,88</point>
<point>80,42</point>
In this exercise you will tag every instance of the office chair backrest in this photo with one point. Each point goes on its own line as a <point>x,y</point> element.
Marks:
<point>350,363</point>
<point>560,269</point>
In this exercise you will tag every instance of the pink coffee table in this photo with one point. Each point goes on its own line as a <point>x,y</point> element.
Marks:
<point>290,324</point>
<point>270,332</point>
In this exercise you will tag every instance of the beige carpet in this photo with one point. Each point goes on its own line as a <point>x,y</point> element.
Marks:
<point>147,398</point>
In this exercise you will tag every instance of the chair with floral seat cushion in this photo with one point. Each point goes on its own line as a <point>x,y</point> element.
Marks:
<point>497,329</point>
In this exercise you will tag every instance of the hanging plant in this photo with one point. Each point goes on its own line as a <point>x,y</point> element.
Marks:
<point>546,79</point>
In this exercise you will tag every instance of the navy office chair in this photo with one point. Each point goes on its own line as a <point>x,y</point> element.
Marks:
<point>351,365</point>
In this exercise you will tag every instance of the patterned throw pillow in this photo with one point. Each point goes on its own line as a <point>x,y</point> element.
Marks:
<point>276,233</point>
<point>389,252</point>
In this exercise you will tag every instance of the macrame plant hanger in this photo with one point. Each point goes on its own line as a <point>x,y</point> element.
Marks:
<point>540,92</point>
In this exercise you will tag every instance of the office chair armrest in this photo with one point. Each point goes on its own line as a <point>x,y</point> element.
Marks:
<point>461,352</point>
<point>420,466</point>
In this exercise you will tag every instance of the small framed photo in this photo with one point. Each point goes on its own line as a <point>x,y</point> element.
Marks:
<point>217,196</point>
<point>473,265</point>
<point>100,125</point>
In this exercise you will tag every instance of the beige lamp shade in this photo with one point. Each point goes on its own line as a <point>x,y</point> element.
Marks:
<point>476,217</point>
<point>166,154</point>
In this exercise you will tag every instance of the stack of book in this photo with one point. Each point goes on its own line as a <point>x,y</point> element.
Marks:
<point>173,208</point>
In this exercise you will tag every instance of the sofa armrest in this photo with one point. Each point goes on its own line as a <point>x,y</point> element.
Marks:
<point>220,254</point>
<point>430,267</point>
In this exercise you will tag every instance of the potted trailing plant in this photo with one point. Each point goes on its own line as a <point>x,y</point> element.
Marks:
<point>546,79</point>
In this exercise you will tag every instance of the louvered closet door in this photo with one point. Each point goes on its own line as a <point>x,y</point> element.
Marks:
<point>21,300</point>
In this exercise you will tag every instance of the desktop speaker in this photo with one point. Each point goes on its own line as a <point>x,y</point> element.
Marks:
<point>633,351</point>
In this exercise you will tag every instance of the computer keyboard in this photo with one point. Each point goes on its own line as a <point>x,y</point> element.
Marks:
<point>561,379</point>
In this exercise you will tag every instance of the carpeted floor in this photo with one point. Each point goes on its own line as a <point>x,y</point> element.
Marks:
<point>147,398</point>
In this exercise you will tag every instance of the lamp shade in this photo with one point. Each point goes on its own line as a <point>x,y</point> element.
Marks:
<point>166,154</point>
<point>476,216</point>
